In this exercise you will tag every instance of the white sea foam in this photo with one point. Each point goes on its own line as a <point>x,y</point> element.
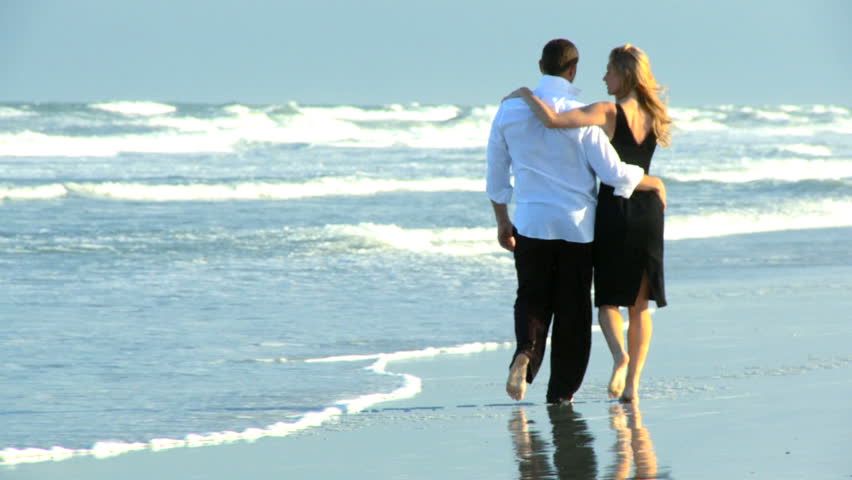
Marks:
<point>834,109</point>
<point>323,187</point>
<point>414,126</point>
<point>332,186</point>
<point>112,449</point>
<point>424,127</point>
<point>238,122</point>
<point>472,242</point>
<point>445,241</point>
<point>481,241</point>
<point>699,125</point>
<point>10,112</point>
<point>828,213</point>
<point>792,170</point>
<point>815,109</point>
<point>807,150</point>
<point>410,386</point>
<point>344,126</point>
<point>695,120</point>
<point>35,144</point>
<point>768,115</point>
<point>40,192</point>
<point>396,113</point>
<point>467,348</point>
<point>782,121</point>
<point>135,108</point>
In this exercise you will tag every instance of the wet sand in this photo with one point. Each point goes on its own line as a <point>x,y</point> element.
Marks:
<point>749,377</point>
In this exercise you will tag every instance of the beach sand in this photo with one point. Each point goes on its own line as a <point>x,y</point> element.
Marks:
<point>749,377</point>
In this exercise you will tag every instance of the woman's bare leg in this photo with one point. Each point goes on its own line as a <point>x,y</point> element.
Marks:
<point>638,341</point>
<point>620,468</point>
<point>644,456</point>
<point>612,326</point>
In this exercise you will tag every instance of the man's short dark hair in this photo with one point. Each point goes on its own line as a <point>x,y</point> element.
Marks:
<point>558,56</point>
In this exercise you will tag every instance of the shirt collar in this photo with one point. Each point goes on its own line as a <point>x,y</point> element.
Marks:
<point>553,84</point>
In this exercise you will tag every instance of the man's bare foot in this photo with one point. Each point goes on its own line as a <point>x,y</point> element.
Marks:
<point>619,375</point>
<point>516,385</point>
<point>520,430</point>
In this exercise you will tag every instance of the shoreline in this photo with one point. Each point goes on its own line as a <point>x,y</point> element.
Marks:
<point>729,419</point>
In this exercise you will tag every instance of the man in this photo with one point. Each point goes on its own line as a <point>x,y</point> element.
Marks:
<point>555,186</point>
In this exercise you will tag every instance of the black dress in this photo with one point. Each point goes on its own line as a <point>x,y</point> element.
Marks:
<point>628,232</point>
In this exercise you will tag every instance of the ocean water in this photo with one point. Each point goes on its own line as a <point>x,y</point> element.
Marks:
<point>181,275</point>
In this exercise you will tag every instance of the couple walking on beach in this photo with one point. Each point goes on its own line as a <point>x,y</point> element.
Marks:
<point>557,148</point>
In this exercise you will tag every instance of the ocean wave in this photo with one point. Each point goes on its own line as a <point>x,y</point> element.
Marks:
<point>144,109</point>
<point>343,126</point>
<point>471,241</point>
<point>410,386</point>
<point>475,242</point>
<point>269,191</point>
<point>776,121</point>
<point>807,150</point>
<point>292,241</point>
<point>185,135</point>
<point>40,192</point>
<point>769,115</point>
<point>35,144</point>
<point>697,120</point>
<point>201,192</point>
<point>798,215</point>
<point>478,241</point>
<point>747,171</point>
<point>389,113</point>
<point>194,129</point>
<point>11,112</point>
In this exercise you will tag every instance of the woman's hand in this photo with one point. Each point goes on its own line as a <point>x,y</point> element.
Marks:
<point>522,92</point>
<point>653,184</point>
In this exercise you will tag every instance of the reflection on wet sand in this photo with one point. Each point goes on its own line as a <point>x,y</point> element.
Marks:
<point>572,446</point>
<point>530,450</point>
<point>633,445</point>
<point>570,454</point>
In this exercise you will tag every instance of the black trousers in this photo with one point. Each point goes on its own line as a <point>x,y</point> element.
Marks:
<point>554,287</point>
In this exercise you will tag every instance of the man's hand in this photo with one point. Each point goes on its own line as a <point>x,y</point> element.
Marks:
<point>506,236</point>
<point>505,229</point>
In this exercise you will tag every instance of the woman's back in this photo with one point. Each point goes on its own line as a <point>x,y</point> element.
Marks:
<point>634,145</point>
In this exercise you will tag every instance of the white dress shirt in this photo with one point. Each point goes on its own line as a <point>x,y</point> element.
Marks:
<point>555,170</point>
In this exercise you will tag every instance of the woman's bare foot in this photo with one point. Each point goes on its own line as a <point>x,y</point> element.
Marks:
<point>617,418</point>
<point>619,376</point>
<point>516,385</point>
<point>630,395</point>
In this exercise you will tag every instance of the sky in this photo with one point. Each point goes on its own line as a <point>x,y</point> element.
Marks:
<point>375,52</point>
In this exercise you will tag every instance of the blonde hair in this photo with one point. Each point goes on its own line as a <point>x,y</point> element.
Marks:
<point>634,68</point>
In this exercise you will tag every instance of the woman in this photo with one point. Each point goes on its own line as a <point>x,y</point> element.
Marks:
<point>628,250</point>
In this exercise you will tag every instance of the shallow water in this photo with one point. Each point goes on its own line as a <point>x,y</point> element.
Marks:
<point>169,269</point>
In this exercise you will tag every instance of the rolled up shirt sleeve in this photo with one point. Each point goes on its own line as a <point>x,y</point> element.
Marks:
<point>498,183</point>
<point>604,160</point>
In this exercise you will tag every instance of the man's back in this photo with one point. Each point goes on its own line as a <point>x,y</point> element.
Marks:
<point>553,183</point>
